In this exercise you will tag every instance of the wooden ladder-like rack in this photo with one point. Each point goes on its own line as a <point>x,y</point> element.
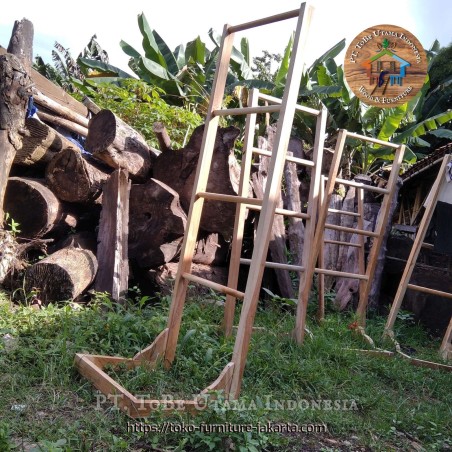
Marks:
<point>446,345</point>
<point>164,346</point>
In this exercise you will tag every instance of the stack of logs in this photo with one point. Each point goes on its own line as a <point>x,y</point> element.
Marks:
<point>107,199</point>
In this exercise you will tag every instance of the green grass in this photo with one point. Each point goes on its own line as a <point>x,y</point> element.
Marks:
<point>46,405</point>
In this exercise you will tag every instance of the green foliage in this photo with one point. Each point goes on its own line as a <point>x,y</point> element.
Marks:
<point>140,105</point>
<point>12,225</point>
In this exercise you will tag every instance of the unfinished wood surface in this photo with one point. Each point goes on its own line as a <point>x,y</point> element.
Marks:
<point>240,215</point>
<point>446,345</point>
<point>63,275</point>
<point>31,204</point>
<point>177,169</point>
<point>90,105</point>
<point>62,122</point>
<point>277,245</point>
<point>374,293</point>
<point>416,248</point>
<point>157,224</point>
<point>154,351</point>
<point>112,251</point>
<point>271,197</point>
<point>14,82</point>
<point>382,220</point>
<point>308,257</point>
<point>196,204</point>
<point>117,144</point>
<point>75,177</point>
<point>40,143</point>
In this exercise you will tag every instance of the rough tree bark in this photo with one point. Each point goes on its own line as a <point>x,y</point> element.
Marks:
<point>157,223</point>
<point>63,275</point>
<point>21,43</point>
<point>112,249</point>
<point>74,177</point>
<point>177,169</point>
<point>118,145</point>
<point>15,84</point>
<point>40,143</point>
<point>31,204</point>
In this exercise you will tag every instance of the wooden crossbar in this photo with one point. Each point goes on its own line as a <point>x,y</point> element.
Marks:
<point>337,227</point>
<point>289,158</point>
<point>213,285</point>
<point>265,21</point>
<point>303,108</point>
<point>351,183</point>
<point>246,110</point>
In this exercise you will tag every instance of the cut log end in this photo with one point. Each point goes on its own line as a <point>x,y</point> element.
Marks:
<point>101,131</point>
<point>62,276</point>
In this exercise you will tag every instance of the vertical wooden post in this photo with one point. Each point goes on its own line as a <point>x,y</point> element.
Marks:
<point>240,212</point>
<point>270,201</point>
<point>194,215</point>
<point>113,273</point>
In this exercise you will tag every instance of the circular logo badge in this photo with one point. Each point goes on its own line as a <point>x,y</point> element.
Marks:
<point>385,66</point>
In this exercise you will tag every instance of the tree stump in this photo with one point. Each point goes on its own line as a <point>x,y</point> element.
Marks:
<point>63,275</point>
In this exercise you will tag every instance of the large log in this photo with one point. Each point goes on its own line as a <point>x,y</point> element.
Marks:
<point>118,145</point>
<point>63,275</point>
<point>74,177</point>
<point>31,204</point>
<point>112,249</point>
<point>177,169</point>
<point>40,143</point>
<point>157,223</point>
<point>21,42</point>
<point>14,85</point>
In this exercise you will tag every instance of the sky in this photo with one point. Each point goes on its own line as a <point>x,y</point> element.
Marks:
<point>180,21</point>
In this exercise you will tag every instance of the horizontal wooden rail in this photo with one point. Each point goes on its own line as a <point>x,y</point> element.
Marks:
<point>325,271</point>
<point>213,285</point>
<point>372,140</point>
<point>285,212</point>
<point>264,21</point>
<point>440,293</point>
<point>350,230</point>
<point>337,242</point>
<point>275,100</point>
<point>289,158</point>
<point>293,268</point>
<point>351,183</point>
<point>344,212</point>
<point>229,198</point>
<point>247,110</point>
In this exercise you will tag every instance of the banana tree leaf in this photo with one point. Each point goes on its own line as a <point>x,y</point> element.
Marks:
<point>331,53</point>
<point>154,68</point>
<point>129,50</point>
<point>441,133</point>
<point>322,76</point>
<point>438,100</point>
<point>171,62</point>
<point>86,63</point>
<point>245,49</point>
<point>239,62</point>
<point>392,122</point>
<point>346,93</point>
<point>331,91</point>
<point>331,65</point>
<point>385,153</point>
<point>150,46</point>
<point>284,66</point>
<point>196,50</point>
<point>179,54</point>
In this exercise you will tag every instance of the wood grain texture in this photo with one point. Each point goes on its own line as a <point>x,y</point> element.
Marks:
<point>385,66</point>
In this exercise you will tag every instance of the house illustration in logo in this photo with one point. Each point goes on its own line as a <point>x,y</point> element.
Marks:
<point>385,63</point>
